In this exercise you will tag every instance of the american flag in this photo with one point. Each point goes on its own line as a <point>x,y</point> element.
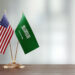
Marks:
<point>6,33</point>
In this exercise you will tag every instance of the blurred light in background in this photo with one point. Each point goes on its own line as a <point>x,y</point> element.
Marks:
<point>53,24</point>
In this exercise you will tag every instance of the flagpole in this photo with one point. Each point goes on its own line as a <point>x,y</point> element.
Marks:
<point>16,51</point>
<point>5,11</point>
<point>11,52</point>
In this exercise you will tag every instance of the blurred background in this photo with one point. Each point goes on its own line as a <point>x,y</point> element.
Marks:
<point>53,23</point>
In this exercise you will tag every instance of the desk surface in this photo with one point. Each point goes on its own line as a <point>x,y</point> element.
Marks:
<point>40,70</point>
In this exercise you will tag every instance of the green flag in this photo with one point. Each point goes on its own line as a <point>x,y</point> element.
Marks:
<point>25,36</point>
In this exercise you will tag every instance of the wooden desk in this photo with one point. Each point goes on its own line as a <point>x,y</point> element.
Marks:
<point>40,70</point>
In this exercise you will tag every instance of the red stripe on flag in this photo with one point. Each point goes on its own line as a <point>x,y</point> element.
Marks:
<point>0,27</point>
<point>8,42</point>
<point>5,36</point>
<point>2,30</point>
<point>6,39</point>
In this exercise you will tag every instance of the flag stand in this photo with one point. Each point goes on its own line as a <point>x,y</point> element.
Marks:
<point>13,64</point>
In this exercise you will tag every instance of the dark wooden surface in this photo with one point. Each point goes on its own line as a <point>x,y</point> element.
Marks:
<point>40,70</point>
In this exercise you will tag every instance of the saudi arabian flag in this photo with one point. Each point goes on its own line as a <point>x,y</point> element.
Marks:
<point>25,36</point>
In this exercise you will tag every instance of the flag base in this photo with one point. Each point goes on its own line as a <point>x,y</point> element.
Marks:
<point>13,66</point>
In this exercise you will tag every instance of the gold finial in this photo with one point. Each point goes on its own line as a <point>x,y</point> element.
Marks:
<point>5,11</point>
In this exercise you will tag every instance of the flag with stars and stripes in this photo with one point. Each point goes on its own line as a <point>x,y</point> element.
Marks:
<point>6,33</point>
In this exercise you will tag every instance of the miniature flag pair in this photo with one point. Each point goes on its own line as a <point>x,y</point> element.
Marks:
<point>23,33</point>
